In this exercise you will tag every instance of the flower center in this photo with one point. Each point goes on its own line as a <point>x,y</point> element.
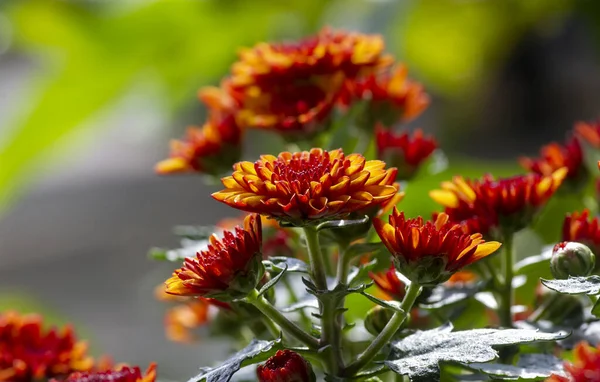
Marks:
<point>303,170</point>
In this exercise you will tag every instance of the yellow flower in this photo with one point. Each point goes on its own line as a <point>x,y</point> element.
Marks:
<point>308,186</point>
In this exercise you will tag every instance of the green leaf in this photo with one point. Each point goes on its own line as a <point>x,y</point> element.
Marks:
<point>271,283</point>
<point>342,223</point>
<point>278,263</point>
<point>419,354</point>
<point>256,351</point>
<point>589,285</point>
<point>530,367</point>
<point>394,305</point>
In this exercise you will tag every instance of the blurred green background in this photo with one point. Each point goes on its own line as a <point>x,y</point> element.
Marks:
<point>91,92</point>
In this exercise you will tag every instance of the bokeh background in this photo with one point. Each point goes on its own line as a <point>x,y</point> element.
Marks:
<point>91,92</point>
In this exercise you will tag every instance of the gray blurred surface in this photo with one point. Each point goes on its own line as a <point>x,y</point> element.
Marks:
<point>76,238</point>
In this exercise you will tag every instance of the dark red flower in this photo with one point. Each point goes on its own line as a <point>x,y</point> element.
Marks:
<point>430,252</point>
<point>586,367</point>
<point>229,267</point>
<point>404,151</point>
<point>28,352</point>
<point>489,204</point>
<point>285,366</point>
<point>308,186</point>
<point>119,374</point>
<point>583,228</point>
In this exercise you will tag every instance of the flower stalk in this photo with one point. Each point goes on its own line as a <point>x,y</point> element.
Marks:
<point>286,325</point>
<point>387,333</point>
<point>507,292</point>
<point>317,263</point>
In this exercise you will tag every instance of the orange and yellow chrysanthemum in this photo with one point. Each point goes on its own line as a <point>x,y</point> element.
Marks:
<point>308,186</point>
<point>227,267</point>
<point>213,147</point>
<point>586,367</point>
<point>28,352</point>
<point>555,156</point>
<point>484,205</point>
<point>292,87</point>
<point>430,252</point>
<point>121,373</point>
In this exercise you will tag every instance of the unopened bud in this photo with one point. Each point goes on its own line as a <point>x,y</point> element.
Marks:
<point>285,366</point>
<point>377,318</point>
<point>571,259</point>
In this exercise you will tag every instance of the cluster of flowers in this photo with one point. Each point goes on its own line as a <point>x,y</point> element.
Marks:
<point>299,90</point>
<point>295,89</point>
<point>315,204</point>
<point>29,352</point>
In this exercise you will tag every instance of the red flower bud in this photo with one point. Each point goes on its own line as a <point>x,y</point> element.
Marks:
<point>285,366</point>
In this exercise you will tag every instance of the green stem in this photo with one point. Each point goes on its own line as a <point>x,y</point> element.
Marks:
<point>316,257</point>
<point>507,292</point>
<point>331,335</point>
<point>343,265</point>
<point>387,333</point>
<point>271,327</point>
<point>288,326</point>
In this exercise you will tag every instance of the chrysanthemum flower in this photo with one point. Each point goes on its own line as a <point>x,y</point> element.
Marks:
<point>213,147</point>
<point>391,95</point>
<point>489,204</point>
<point>583,228</point>
<point>389,284</point>
<point>229,268</point>
<point>209,149</point>
<point>292,87</point>
<point>285,366</point>
<point>586,367</point>
<point>404,151</point>
<point>428,253</point>
<point>28,352</point>
<point>121,373</point>
<point>308,186</point>
<point>589,132</point>
<point>555,156</point>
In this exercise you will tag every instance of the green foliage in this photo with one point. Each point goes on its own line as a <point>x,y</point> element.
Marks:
<point>257,351</point>
<point>419,354</point>
<point>530,367</point>
<point>589,285</point>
